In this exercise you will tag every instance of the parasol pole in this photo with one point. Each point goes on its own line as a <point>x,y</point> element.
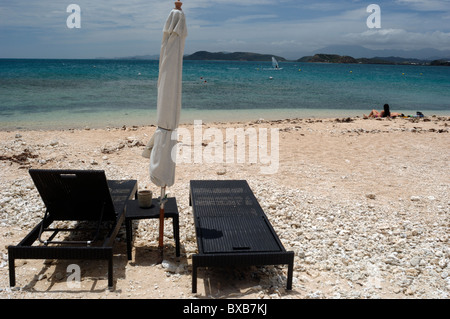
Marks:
<point>162,201</point>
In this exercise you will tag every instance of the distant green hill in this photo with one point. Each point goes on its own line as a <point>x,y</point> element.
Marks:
<point>440,63</point>
<point>334,58</point>
<point>234,56</point>
<point>328,58</point>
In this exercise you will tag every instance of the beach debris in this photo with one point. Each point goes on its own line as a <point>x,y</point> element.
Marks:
<point>132,141</point>
<point>221,171</point>
<point>109,147</point>
<point>112,147</point>
<point>53,143</point>
<point>169,266</point>
<point>344,120</point>
<point>22,158</point>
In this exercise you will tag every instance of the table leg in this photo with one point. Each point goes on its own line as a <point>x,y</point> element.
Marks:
<point>129,235</point>
<point>12,272</point>
<point>176,234</point>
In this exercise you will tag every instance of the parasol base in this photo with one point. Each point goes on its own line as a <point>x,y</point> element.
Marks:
<point>160,255</point>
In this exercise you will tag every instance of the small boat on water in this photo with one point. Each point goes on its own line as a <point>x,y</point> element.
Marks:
<point>275,65</point>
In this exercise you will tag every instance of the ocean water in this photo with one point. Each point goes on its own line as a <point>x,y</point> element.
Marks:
<point>41,94</point>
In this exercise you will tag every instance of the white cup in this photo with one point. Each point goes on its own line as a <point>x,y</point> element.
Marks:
<point>145,198</point>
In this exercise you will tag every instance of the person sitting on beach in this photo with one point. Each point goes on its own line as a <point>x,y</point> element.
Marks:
<point>385,113</point>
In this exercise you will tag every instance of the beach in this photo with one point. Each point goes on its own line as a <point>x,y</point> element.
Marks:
<point>363,203</point>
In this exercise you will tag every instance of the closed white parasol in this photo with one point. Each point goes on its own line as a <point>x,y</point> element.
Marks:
<point>162,145</point>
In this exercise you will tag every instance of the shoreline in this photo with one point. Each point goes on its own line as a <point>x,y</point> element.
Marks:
<point>120,118</point>
<point>363,203</point>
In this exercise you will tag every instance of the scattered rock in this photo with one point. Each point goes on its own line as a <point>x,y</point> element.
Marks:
<point>415,261</point>
<point>222,171</point>
<point>169,266</point>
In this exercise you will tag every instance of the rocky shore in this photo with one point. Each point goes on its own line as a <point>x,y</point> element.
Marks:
<point>364,204</point>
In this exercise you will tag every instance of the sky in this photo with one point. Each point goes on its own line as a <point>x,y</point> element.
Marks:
<point>288,28</point>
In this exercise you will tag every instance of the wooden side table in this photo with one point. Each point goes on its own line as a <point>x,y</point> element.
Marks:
<point>133,211</point>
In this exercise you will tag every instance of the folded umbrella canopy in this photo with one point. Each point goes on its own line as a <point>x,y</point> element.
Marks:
<point>162,145</point>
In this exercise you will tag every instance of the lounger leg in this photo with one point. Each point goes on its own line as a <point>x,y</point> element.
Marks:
<point>290,273</point>
<point>110,273</point>
<point>176,234</point>
<point>12,272</point>
<point>129,234</point>
<point>194,274</point>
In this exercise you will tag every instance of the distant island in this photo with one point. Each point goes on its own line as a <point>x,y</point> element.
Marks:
<point>334,58</point>
<point>317,58</point>
<point>234,56</point>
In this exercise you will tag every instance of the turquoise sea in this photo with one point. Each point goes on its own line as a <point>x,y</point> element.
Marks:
<point>42,94</point>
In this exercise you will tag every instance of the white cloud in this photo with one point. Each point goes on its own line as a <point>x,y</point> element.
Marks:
<point>247,18</point>
<point>426,5</point>
<point>401,39</point>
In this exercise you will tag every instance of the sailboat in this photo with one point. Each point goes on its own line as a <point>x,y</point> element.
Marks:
<point>275,64</point>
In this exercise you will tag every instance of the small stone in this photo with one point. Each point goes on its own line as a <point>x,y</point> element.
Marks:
<point>301,254</point>
<point>412,272</point>
<point>370,196</point>
<point>221,171</point>
<point>409,291</point>
<point>313,273</point>
<point>415,261</point>
<point>415,198</point>
<point>168,266</point>
<point>392,260</point>
<point>442,263</point>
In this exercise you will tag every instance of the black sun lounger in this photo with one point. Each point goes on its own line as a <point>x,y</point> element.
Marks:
<point>83,196</point>
<point>232,229</point>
